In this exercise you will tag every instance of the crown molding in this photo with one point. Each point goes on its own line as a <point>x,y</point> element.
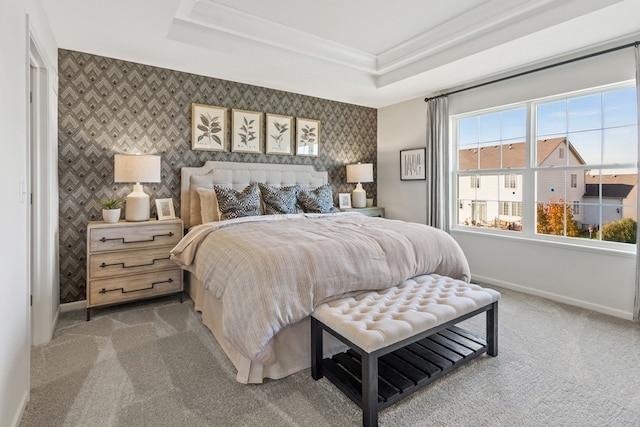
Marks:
<point>483,26</point>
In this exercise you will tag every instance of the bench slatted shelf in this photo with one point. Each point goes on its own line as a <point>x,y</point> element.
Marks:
<point>377,377</point>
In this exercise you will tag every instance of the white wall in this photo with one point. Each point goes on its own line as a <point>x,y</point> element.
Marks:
<point>593,278</point>
<point>401,126</point>
<point>14,289</point>
<point>14,215</point>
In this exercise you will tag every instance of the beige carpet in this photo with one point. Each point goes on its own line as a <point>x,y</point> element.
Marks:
<point>154,364</point>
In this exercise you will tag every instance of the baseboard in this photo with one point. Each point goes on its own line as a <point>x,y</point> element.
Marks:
<point>555,297</point>
<point>71,306</point>
<point>17,418</point>
<point>55,321</point>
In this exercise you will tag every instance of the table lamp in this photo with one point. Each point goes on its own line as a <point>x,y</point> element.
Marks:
<point>361,172</point>
<point>136,168</point>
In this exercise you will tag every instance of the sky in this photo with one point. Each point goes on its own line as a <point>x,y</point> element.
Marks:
<point>600,126</point>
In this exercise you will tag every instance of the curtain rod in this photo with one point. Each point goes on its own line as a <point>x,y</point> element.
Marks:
<point>535,70</point>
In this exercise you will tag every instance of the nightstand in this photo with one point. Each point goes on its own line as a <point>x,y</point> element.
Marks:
<point>371,211</point>
<point>128,261</point>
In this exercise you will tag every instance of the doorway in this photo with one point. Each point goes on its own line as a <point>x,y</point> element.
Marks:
<point>42,194</point>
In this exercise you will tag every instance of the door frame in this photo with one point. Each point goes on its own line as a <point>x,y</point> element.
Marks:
<point>43,191</point>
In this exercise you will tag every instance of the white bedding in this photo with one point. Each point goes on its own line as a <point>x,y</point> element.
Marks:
<point>272,271</point>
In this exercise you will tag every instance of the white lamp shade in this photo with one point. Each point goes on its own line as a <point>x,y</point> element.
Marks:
<point>361,172</point>
<point>136,168</point>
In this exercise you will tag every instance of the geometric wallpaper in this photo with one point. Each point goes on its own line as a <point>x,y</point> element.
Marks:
<point>108,106</point>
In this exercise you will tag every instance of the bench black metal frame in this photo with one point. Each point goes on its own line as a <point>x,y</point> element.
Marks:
<point>376,380</point>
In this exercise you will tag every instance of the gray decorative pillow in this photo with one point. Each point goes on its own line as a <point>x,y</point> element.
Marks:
<point>317,200</point>
<point>279,201</point>
<point>236,204</point>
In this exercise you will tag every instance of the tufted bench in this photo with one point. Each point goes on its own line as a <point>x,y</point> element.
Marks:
<point>401,338</point>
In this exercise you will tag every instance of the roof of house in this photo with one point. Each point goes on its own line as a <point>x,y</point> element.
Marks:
<point>615,186</point>
<point>513,155</point>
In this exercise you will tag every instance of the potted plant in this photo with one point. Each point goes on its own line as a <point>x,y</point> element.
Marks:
<point>110,209</point>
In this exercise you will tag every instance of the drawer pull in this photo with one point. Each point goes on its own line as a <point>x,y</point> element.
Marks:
<point>104,291</point>
<point>103,265</point>
<point>169,234</point>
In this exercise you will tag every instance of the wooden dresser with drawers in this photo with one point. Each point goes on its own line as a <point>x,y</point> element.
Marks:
<point>128,261</point>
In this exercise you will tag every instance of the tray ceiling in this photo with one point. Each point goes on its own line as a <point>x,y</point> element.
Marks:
<point>367,52</point>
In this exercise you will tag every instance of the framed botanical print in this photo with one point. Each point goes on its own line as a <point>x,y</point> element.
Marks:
<point>307,137</point>
<point>279,134</point>
<point>246,128</point>
<point>413,164</point>
<point>208,128</point>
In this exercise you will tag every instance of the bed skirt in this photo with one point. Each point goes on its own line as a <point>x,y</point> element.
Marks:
<point>292,344</point>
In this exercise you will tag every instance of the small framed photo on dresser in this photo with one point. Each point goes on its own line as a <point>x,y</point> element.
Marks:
<point>165,210</point>
<point>344,200</point>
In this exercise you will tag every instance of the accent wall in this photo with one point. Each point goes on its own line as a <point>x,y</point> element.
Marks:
<point>108,106</point>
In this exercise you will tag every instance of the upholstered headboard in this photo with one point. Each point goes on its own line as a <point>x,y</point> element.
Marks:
<point>237,176</point>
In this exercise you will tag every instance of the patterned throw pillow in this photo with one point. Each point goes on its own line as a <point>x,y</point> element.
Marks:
<point>279,201</point>
<point>317,200</point>
<point>236,204</point>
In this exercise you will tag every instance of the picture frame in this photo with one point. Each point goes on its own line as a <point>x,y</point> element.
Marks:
<point>307,137</point>
<point>344,200</point>
<point>208,128</point>
<point>413,164</point>
<point>246,128</point>
<point>279,135</point>
<point>165,210</point>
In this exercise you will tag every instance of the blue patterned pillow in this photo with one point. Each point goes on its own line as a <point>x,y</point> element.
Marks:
<point>279,201</point>
<point>236,204</point>
<point>317,200</point>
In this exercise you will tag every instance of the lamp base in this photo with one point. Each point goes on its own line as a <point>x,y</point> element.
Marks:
<point>359,197</point>
<point>137,205</point>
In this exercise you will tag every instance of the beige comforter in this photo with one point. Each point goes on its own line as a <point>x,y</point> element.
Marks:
<point>272,271</point>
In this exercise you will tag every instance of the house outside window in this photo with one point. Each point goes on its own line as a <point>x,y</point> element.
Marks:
<point>573,169</point>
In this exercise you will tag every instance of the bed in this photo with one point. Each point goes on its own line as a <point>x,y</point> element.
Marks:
<point>261,317</point>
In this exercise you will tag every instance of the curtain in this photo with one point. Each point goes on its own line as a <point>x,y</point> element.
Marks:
<point>437,162</point>
<point>636,302</point>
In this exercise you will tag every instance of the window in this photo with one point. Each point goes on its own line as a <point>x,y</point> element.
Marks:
<point>510,181</point>
<point>516,209</point>
<point>573,170</point>
<point>504,208</point>
<point>474,181</point>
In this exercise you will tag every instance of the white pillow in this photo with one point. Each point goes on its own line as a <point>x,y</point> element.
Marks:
<point>209,211</point>
<point>198,181</point>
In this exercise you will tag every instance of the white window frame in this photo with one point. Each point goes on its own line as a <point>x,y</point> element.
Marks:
<point>528,230</point>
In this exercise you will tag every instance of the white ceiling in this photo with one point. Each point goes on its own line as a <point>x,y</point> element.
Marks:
<point>367,52</point>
